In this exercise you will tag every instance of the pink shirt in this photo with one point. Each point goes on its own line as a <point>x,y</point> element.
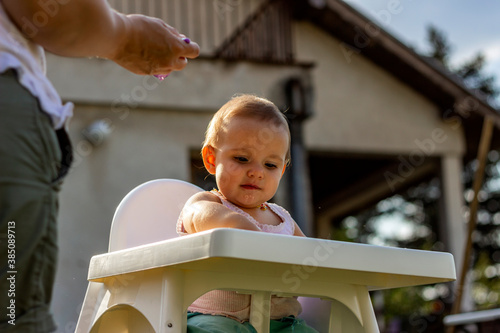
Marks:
<point>237,306</point>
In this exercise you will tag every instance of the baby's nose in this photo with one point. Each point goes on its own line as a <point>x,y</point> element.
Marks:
<point>256,171</point>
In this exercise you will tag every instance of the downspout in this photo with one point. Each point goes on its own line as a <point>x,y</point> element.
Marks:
<point>299,196</point>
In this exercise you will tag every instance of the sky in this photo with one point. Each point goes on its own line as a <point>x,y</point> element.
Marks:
<point>470,26</point>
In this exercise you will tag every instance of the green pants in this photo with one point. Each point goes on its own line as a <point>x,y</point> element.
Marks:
<point>29,166</point>
<point>200,323</point>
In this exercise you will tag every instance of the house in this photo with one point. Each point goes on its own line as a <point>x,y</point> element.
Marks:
<point>369,116</point>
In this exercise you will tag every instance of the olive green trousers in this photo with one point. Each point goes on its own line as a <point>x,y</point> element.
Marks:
<point>30,157</point>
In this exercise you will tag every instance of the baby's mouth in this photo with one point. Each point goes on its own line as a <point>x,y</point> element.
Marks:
<point>250,187</point>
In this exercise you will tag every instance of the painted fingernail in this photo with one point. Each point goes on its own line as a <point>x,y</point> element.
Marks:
<point>161,77</point>
<point>187,40</point>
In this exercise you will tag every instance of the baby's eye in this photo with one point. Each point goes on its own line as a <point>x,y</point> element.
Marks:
<point>241,159</point>
<point>271,165</point>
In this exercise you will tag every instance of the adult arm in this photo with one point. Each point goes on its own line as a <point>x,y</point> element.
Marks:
<point>91,28</point>
<point>204,211</point>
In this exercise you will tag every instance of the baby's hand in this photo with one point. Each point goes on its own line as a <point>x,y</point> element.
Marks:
<point>204,211</point>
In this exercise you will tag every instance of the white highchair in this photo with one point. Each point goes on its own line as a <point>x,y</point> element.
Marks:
<point>150,276</point>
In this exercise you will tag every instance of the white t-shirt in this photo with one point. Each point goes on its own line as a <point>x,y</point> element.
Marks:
<point>28,59</point>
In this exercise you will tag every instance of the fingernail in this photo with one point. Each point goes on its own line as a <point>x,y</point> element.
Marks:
<point>161,77</point>
<point>187,40</point>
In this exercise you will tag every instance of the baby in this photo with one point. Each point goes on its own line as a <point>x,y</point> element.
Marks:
<point>247,148</point>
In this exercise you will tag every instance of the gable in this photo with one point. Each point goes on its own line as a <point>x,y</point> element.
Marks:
<point>361,107</point>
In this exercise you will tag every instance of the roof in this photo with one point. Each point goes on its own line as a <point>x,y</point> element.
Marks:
<point>426,76</point>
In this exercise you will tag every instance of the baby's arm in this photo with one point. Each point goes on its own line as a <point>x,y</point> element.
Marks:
<point>204,211</point>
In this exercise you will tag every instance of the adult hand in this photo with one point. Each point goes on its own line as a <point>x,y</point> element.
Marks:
<point>151,46</point>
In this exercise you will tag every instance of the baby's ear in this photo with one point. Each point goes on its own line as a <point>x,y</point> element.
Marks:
<point>208,154</point>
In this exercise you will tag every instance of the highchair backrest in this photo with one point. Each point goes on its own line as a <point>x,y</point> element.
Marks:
<point>149,213</point>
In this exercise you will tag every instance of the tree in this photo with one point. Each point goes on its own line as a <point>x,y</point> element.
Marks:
<point>440,48</point>
<point>417,209</point>
<point>471,72</point>
<point>486,245</point>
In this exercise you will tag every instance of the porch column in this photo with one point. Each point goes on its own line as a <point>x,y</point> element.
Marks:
<point>452,228</point>
<point>298,97</point>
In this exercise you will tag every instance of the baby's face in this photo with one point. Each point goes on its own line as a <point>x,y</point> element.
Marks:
<point>250,160</point>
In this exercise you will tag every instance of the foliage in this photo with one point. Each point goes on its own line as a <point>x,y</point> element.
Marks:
<point>486,238</point>
<point>410,219</point>
<point>440,48</point>
<point>471,71</point>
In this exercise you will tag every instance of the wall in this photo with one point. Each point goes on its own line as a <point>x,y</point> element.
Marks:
<point>361,108</point>
<point>204,85</point>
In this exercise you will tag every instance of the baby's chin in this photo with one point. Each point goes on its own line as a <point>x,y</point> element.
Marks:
<point>246,204</point>
<point>245,201</point>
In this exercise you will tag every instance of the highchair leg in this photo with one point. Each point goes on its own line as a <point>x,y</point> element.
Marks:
<point>260,311</point>
<point>358,319</point>
<point>172,318</point>
<point>90,308</point>
<point>366,307</point>
<point>343,320</point>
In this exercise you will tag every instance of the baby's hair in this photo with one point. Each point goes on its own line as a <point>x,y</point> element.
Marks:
<point>249,106</point>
